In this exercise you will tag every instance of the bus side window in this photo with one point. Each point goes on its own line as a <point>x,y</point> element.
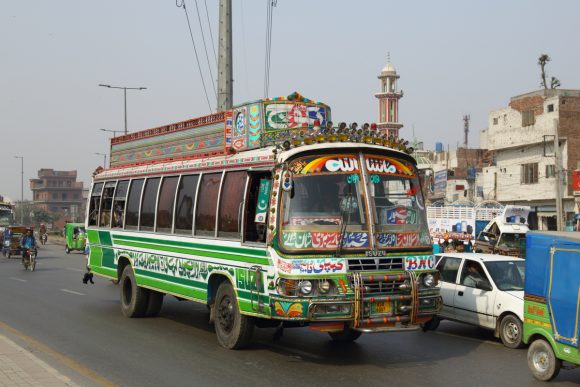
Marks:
<point>95,204</point>
<point>107,204</point>
<point>232,198</point>
<point>165,204</point>
<point>253,231</point>
<point>119,203</point>
<point>133,204</point>
<point>207,204</point>
<point>148,204</point>
<point>186,193</point>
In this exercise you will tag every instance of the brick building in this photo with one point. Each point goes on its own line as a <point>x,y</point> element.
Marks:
<point>524,171</point>
<point>58,192</point>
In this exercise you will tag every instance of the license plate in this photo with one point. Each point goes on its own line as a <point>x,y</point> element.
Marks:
<point>383,307</point>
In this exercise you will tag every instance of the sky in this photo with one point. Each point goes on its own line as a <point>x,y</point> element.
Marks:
<point>454,57</point>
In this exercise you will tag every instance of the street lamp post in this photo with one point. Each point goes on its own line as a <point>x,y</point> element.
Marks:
<point>104,158</point>
<point>21,188</point>
<point>125,96</point>
<point>112,131</point>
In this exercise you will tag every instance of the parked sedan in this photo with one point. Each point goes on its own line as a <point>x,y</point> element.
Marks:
<point>484,290</point>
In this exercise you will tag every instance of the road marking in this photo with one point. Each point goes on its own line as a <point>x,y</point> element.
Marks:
<point>468,338</point>
<point>18,279</point>
<point>74,269</point>
<point>67,361</point>
<point>72,292</point>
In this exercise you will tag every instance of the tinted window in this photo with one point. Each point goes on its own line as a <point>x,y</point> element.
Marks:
<point>185,201</point>
<point>231,201</point>
<point>133,202</point>
<point>119,203</point>
<point>448,267</point>
<point>147,220</point>
<point>95,204</point>
<point>207,204</point>
<point>165,204</point>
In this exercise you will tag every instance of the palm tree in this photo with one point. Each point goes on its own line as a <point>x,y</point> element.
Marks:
<point>542,60</point>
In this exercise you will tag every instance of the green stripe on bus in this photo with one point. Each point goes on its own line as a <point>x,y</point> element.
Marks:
<point>93,236</point>
<point>175,280</point>
<point>108,257</point>
<point>173,288</point>
<point>105,238</point>
<point>229,249</point>
<point>202,253</point>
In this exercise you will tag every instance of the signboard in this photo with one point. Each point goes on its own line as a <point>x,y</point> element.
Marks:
<point>263,199</point>
<point>440,185</point>
<point>576,182</point>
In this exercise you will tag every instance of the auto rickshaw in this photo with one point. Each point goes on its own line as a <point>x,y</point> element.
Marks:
<point>76,237</point>
<point>12,247</point>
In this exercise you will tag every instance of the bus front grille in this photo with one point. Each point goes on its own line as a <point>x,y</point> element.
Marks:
<point>375,264</point>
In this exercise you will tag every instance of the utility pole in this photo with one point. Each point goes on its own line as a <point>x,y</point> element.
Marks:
<point>21,188</point>
<point>466,128</point>
<point>558,168</point>
<point>225,71</point>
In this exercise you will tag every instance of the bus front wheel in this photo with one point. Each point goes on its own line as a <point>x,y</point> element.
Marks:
<point>542,361</point>
<point>134,299</point>
<point>233,330</point>
<point>347,335</point>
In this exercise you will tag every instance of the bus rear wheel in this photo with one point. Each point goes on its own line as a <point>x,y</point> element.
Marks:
<point>134,299</point>
<point>154,303</point>
<point>542,361</point>
<point>233,330</point>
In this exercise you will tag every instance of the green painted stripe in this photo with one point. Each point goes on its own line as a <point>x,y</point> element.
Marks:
<point>202,253</point>
<point>182,290</point>
<point>105,238</point>
<point>108,257</point>
<point>176,280</point>
<point>229,249</point>
<point>104,271</point>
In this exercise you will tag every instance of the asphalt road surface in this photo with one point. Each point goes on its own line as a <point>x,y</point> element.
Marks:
<point>79,330</point>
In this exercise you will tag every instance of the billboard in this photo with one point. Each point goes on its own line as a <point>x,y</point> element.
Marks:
<point>576,182</point>
<point>440,186</point>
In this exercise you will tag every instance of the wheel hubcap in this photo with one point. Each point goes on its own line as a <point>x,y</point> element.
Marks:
<point>226,314</point>
<point>512,332</point>
<point>540,360</point>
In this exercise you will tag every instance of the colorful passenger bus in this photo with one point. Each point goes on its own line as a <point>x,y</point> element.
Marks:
<point>269,216</point>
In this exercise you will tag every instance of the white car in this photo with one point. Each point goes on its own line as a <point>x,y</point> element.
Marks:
<point>484,290</point>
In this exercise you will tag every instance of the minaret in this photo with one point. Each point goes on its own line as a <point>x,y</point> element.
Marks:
<point>388,97</point>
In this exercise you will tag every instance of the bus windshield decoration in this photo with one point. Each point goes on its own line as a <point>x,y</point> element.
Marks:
<point>271,216</point>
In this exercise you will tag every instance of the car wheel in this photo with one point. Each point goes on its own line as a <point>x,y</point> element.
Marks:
<point>510,331</point>
<point>542,361</point>
<point>233,329</point>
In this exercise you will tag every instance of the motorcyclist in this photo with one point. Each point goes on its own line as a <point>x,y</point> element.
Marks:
<point>42,232</point>
<point>27,243</point>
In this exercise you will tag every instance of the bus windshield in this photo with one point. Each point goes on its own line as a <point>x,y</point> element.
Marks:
<point>325,202</point>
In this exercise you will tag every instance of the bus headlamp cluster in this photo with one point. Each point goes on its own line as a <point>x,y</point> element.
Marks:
<point>304,287</point>
<point>368,134</point>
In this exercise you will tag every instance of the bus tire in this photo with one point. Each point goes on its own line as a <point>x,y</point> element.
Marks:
<point>154,303</point>
<point>134,299</point>
<point>233,329</point>
<point>347,335</point>
<point>431,325</point>
<point>510,331</point>
<point>542,361</point>
<point>67,250</point>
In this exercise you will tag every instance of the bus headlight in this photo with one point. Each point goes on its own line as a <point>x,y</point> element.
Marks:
<point>324,286</point>
<point>305,287</point>
<point>429,280</point>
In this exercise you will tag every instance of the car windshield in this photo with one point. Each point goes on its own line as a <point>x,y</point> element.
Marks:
<point>511,240</point>
<point>323,204</point>
<point>507,275</point>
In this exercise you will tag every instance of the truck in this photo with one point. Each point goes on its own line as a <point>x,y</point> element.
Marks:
<point>505,234</point>
<point>552,302</point>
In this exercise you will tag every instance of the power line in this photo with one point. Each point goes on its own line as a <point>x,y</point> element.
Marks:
<point>210,33</point>
<point>270,4</point>
<point>194,49</point>
<point>205,49</point>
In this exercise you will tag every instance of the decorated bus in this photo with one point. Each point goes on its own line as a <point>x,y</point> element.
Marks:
<point>270,216</point>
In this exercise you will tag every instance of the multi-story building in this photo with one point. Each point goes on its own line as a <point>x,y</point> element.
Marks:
<point>58,192</point>
<point>525,170</point>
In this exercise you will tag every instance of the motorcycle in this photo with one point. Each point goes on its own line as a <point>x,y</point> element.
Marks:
<point>29,259</point>
<point>43,238</point>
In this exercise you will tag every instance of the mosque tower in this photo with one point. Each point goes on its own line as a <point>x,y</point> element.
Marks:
<point>388,97</point>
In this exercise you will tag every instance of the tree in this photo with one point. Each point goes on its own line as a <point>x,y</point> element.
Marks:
<point>542,61</point>
<point>554,83</point>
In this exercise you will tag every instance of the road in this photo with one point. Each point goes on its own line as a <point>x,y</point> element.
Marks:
<point>79,330</point>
